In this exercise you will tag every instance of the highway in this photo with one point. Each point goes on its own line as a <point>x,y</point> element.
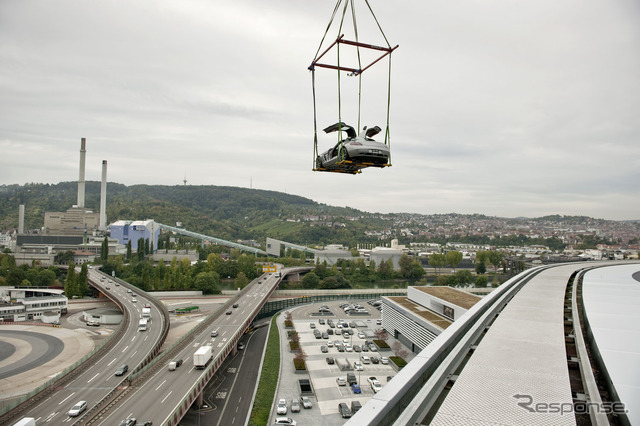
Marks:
<point>166,391</point>
<point>95,382</point>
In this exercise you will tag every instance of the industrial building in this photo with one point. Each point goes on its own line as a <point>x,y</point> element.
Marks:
<point>32,303</point>
<point>127,230</point>
<point>78,229</point>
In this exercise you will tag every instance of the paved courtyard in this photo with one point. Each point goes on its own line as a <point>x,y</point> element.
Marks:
<point>327,393</point>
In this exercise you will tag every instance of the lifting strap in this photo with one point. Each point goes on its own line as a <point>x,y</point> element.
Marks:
<point>358,72</point>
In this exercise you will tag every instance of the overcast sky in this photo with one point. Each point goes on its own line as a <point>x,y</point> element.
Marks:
<point>504,108</point>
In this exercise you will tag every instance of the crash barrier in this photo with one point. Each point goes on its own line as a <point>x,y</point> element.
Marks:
<point>117,393</point>
<point>15,410</point>
<point>29,323</point>
<point>436,362</point>
<point>583,335</point>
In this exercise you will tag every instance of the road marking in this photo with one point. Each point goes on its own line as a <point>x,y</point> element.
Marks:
<point>114,360</point>
<point>62,402</point>
<point>93,378</point>
<point>133,354</point>
<point>51,416</point>
<point>134,338</point>
<point>165,398</point>
<point>161,385</point>
<point>126,347</point>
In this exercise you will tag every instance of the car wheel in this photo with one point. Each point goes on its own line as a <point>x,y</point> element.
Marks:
<point>344,156</point>
<point>318,163</point>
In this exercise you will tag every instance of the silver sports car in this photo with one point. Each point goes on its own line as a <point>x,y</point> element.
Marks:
<point>355,152</point>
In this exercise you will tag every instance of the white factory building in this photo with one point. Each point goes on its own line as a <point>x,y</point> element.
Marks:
<point>32,304</point>
<point>132,230</point>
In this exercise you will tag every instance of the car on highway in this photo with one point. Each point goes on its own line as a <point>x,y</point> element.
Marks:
<point>356,388</point>
<point>214,333</point>
<point>295,406</point>
<point>108,288</point>
<point>175,364</point>
<point>77,409</point>
<point>121,370</point>
<point>128,422</point>
<point>228,312</point>
<point>282,406</point>
<point>306,402</point>
<point>241,345</point>
<point>341,381</point>
<point>285,421</point>
<point>235,305</point>
<point>375,384</point>
<point>134,300</point>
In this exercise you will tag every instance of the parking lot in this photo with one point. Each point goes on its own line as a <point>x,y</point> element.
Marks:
<point>327,392</point>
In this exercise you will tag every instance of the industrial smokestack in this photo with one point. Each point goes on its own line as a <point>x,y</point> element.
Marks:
<point>21,219</point>
<point>83,153</point>
<point>103,197</point>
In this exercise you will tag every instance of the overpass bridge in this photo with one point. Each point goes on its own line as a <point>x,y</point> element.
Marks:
<point>92,378</point>
<point>156,394</point>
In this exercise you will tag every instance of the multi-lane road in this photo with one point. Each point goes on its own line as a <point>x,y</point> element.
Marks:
<point>95,382</point>
<point>166,391</point>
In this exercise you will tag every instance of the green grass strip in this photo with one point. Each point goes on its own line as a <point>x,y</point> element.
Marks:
<point>268,379</point>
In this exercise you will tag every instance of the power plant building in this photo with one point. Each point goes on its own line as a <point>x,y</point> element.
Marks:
<point>132,230</point>
<point>75,221</point>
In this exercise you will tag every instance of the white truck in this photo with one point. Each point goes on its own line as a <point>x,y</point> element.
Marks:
<point>142,325</point>
<point>202,356</point>
<point>26,421</point>
<point>146,312</point>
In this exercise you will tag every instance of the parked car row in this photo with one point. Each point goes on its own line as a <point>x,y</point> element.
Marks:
<point>296,403</point>
<point>346,411</point>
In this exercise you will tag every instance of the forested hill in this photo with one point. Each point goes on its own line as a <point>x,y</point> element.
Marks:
<point>233,213</point>
<point>224,212</point>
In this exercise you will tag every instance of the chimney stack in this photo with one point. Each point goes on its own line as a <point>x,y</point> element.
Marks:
<point>21,219</point>
<point>103,197</point>
<point>83,153</point>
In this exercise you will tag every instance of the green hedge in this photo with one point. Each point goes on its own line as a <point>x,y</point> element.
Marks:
<point>268,379</point>
<point>381,344</point>
<point>400,362</point>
